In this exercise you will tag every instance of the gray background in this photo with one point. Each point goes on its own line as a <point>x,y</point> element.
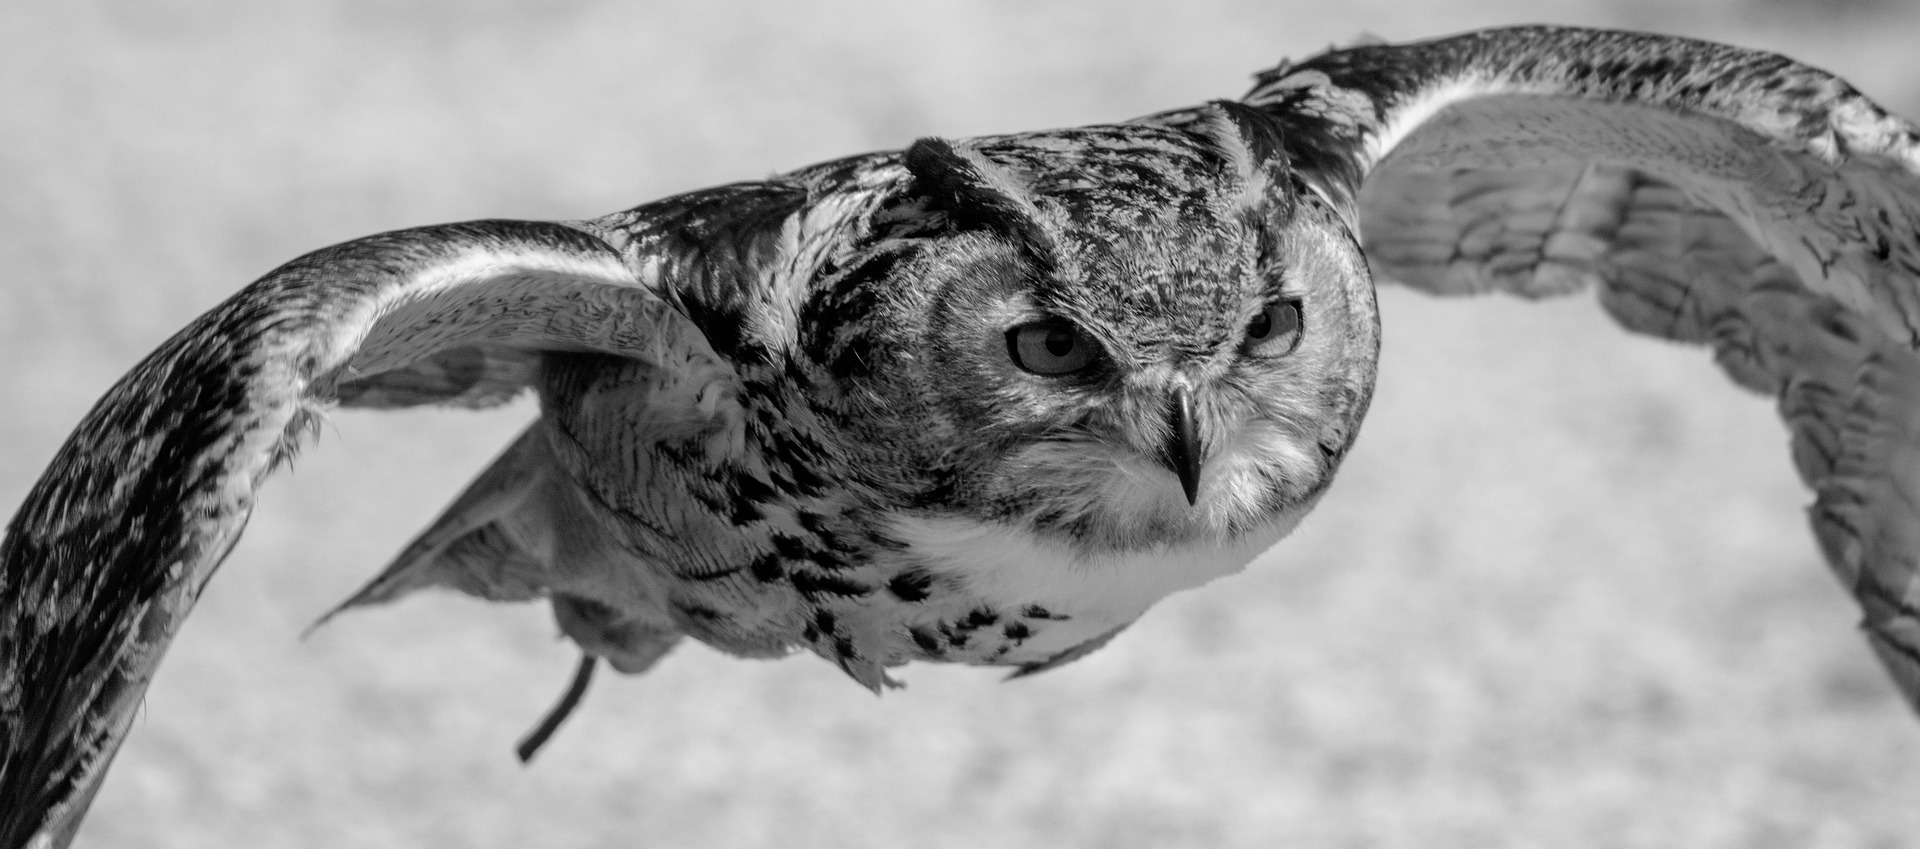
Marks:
<point>1563,594</point>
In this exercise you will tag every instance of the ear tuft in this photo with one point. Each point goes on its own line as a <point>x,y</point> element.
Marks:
<point>1252,144</point>
<point>975,193</point>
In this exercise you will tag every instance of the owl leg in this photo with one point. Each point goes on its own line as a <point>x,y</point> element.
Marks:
<point>631,643</point>
<point>530,744</point>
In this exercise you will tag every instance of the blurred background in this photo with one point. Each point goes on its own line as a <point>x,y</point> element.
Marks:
<point>1563,594</point>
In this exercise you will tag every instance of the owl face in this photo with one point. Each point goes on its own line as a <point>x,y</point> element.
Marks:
<point>1121,337</point>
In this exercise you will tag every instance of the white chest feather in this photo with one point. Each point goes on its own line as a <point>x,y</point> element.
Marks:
<point>1006,567</point>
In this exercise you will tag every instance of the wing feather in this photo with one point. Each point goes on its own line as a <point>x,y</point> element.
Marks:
<point>114,543</point>
<point>1711,194</point>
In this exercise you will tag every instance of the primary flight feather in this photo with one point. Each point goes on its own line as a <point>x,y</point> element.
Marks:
<point>988,400</point>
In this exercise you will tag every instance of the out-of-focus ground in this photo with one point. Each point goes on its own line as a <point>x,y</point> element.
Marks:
<point>1563,594</point>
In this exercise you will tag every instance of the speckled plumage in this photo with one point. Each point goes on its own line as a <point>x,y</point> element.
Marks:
<point>788,415</point>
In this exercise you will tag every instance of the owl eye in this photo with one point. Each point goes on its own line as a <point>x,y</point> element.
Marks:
<point>1051,347</point>
<point>1276,330</point>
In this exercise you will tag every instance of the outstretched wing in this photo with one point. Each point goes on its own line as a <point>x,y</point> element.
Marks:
<point>116,540</point>
<point>1711,194</point>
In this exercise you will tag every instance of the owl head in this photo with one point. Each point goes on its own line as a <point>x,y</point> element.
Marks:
<point>1119,336</point>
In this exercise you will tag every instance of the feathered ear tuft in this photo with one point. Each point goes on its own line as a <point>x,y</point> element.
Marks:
<point>1245,135</point>
<point>1251,143</point>
<point>975,193</point>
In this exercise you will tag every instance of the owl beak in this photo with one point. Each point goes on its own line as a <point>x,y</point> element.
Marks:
<point>1183,446</point>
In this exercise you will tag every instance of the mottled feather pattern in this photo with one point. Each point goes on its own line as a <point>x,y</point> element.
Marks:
<point>121,586</point>
<point>1731,198</point>
<point>1854,187</point>
<point>794,535</point>
<point>797,414</point>
<point>107,556</point>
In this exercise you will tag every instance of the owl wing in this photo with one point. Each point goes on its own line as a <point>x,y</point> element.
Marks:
<point>110,549</point>
<point>1711,194</point>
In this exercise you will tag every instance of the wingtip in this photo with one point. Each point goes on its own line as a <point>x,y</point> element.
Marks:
<point>1025,670</point>
<point>378,590</point>
<point>326,617</point>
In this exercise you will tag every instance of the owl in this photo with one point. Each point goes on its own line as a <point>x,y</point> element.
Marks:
<point>987,400</point>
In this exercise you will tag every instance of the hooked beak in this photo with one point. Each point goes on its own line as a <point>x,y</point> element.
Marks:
<point>1183,445</point>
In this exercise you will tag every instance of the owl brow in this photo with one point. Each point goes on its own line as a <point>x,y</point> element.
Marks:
<point>1280,280</point>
